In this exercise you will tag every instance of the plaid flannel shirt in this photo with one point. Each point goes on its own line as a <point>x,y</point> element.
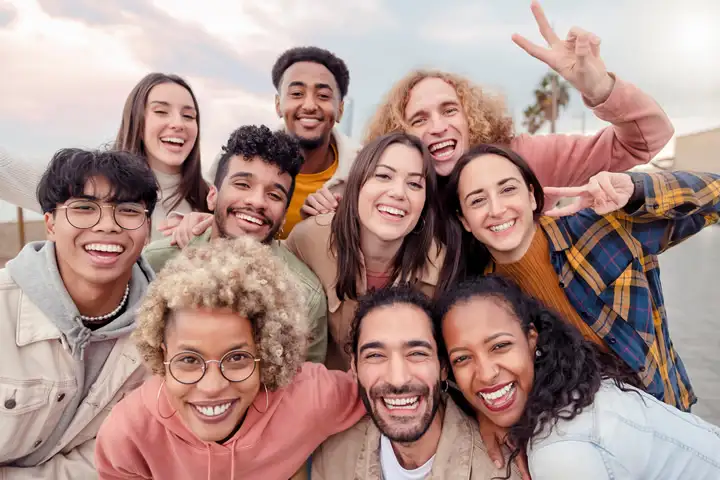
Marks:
<point>608,268</point>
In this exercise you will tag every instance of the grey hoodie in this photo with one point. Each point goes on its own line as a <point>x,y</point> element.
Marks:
<point>36,272</point>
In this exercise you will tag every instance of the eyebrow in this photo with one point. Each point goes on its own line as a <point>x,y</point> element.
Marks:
<point>500,183</point>
<point>187,348</point>
<point>318,86</point>
<point>166,104</point>
<point>407,344</point>
<point>412,174</point>
<point>444,104</point>
<point>485,342</point>
<point>250,175</point>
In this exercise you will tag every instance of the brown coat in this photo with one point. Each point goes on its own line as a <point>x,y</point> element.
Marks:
<point>310,242</point>
<point>355,453</point>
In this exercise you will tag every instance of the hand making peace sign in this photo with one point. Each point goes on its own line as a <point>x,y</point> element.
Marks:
<point>576,59</point>
<point>605,193</point>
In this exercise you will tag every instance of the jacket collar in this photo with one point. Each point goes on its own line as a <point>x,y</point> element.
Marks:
<point>32,324</point>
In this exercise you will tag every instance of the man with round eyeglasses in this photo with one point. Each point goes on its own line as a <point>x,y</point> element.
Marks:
<point>67,307</point>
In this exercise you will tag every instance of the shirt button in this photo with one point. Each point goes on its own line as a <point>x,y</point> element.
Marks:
<point>10,404</point>
<point>642,369</point>
<point>612,341</point>
<point>562,284</point>
<point>37,444</point>
<point>61,397</point>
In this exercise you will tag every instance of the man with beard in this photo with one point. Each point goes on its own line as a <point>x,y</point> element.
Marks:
<point>414,429</point>
<point>253,186</point>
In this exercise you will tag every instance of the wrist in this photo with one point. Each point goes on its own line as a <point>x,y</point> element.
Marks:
<point>602,91</point>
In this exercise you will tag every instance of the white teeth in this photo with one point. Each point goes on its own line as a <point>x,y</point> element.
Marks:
<point>503,227</point>
<point>447,143</point>
<point>391,210</point>
<point>175,140</point>
<point>392,403</point>
<point>498,393</point>
<point>309,122</point>
<point>104,247</point>
<point>213,411</point>
<point>248,218</point>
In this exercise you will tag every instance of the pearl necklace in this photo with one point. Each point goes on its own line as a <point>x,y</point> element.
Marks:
<point>111,314</point>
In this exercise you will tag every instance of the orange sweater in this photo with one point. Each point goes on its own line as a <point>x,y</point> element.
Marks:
<point>136,443</point>
<point>536,276</point>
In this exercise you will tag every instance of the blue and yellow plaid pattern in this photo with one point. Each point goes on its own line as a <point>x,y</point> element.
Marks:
<point>609,269</point>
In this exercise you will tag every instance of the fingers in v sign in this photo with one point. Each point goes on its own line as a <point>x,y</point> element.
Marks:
<point>576,59</point>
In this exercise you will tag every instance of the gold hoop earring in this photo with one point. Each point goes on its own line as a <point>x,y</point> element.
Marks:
<point>267,401</point>
<point>157,403</point>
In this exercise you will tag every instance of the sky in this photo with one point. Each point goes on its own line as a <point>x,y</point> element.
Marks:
<point>68,65</point>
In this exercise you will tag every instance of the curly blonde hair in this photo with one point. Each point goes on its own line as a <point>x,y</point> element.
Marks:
<point>241,275</point>
<point>488,121</point>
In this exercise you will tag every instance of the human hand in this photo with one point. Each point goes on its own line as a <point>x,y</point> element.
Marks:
<point>606,192</point>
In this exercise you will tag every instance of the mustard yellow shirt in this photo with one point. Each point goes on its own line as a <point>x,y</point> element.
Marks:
<point>305,184</point>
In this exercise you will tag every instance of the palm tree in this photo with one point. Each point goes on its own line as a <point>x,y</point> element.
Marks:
<point>551,96</point>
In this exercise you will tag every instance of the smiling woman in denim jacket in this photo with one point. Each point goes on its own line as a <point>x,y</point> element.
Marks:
<point>577,410</point>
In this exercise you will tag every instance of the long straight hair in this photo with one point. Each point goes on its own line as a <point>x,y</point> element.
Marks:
<point>466,256</point>
<point>192,187</point>
<point>413,256</point>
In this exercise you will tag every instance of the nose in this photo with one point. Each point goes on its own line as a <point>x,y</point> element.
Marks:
<point>107,221</point>
<point>398,374</point>
<point>496,206</point>
<point>398,188</point>
<point>486,371</point>
<point>256,198</point>
<point>438,124</point>
<point>213,381</point>
<point>177,121</point>
<point>309,104</point>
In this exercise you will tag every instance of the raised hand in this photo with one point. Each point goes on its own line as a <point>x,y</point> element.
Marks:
<point>605,192</point>
<point>576,59</point>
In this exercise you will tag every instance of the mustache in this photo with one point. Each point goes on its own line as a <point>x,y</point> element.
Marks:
<point>409,388</point>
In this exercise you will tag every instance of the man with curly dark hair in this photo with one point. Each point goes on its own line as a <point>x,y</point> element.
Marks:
<point>253,186</point>
<point>311,86</point>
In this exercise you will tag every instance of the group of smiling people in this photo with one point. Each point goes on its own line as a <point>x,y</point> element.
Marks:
<point>418,307</point>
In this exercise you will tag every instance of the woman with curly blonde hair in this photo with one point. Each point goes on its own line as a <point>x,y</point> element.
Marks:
<point>450,114</point>
<point>223,331</point>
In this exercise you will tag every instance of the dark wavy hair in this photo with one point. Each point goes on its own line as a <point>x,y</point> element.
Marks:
<point>129,176</point>
<point>192,187</point>
<point>314,55</point>
<point>413,256</point>
<point>401,294</point>
<point>568,371</point>
<point>276,148</point>
<point>466,257</point>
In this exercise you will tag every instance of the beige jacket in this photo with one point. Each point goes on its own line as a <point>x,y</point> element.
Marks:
<point>36,375</point>
<point>310,242</point>
<point>355,453</point>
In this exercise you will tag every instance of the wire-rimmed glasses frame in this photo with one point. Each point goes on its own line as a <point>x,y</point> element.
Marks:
<point>244,369</point>
<point>80,214</point>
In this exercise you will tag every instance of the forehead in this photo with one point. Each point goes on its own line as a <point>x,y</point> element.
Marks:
<point>402,158</point>
<point>309,74</point>
<point>208,330</point>
<point>479,317</point>
<point>170,93</point>
<point>428,95</point>
<point>260,170</point>
<point>396,324</point>
<point>487,170</point>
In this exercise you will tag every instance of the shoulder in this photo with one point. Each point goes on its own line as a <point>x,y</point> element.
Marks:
<point>318,224</point>
<point>6,281</point>
<point>159,252</point>
<point>346,444</point>
<point>303,273</point>
<point>129,418</point>
<point>310,238</point>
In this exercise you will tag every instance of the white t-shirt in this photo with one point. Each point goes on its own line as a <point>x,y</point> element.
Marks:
<point>391,468</point>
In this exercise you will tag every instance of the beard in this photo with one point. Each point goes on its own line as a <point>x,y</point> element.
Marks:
<point>310,143</point>
<point>221,216</point>
<point>401,430</point>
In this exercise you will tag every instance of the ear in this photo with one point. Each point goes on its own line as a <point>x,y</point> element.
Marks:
<point>341,110</point>
<point>353,367</point>
<point>444,371</point>
<point>277,105</point>
<point>212,198</point>
<point>148,238</point>
<point>532,336</point>
<point>465,223</point>
<point>49,219</point>
<point>533,203</point>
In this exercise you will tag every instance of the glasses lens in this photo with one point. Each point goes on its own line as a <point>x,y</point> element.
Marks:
<point>187,367</point>
<point>130,216</point>
<point>83,214</point>
<point>238,365</point>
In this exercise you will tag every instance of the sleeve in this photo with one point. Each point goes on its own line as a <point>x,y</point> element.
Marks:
<point>570,460</point>
<point>639,130</point>
<point>295,241</point>
<point>77,463</point>
<point>320,471</point>
<point>337,399</point>
<point>19,181</point>
<point>318,317</point>
<point>676,206</point>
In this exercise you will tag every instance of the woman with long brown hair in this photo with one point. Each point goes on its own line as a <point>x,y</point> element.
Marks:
<point>382,232</point>
<point>161,123</point>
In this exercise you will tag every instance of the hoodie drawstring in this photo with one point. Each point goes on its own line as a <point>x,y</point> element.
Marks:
<point>209,462</point>
<point>232,460</point>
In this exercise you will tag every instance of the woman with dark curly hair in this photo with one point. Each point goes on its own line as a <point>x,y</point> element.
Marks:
<point>224,332</point>
<point>578,411</point>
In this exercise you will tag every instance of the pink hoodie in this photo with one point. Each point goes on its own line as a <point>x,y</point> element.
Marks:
<point>135,442</point>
